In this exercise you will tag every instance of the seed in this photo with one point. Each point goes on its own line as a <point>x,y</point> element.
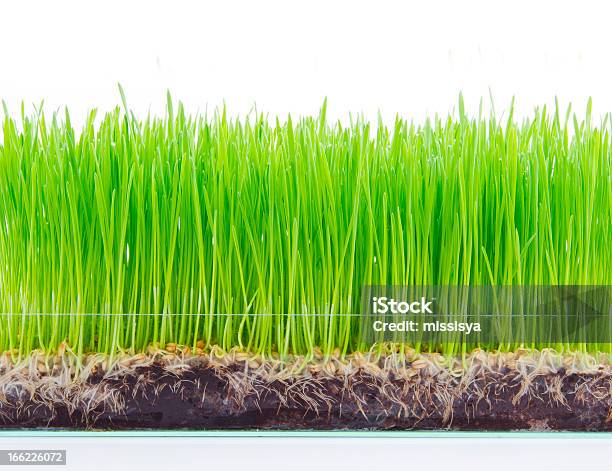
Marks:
<point>330,368</point>
<point>139,358</point>
<point>372,369</point>
<point>419,364</point>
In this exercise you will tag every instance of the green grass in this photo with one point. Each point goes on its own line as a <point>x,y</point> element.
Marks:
<point>177,222</point>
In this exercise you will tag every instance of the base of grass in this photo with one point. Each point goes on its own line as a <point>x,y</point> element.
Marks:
<point>523,390</point>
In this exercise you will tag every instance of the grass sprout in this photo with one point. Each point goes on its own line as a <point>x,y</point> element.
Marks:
<point>261,235</point>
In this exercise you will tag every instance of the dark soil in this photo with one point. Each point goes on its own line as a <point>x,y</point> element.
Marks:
<point>211,399</point>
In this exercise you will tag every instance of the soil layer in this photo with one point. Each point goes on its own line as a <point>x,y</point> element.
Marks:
<point>199,396</point>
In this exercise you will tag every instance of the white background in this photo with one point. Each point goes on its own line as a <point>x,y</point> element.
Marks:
<point>286,56</point>
<point>411,58</point>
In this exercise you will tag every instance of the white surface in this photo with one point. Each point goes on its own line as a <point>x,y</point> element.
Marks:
<point>294,454</point>
<point>285,56</point>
